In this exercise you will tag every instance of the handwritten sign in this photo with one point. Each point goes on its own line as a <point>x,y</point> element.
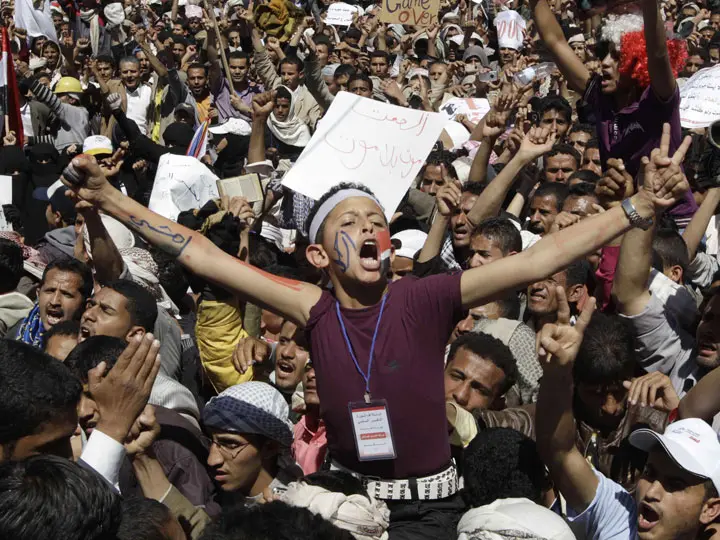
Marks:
<point>474,108</point>
<point>510,27</point>
<point>181,183</point>
<point>700,99</point>
<point>420,13</point>
<point>340,14</point>
<point>369,142</point>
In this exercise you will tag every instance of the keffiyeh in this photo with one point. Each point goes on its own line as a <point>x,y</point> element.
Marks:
<point>292,131</point>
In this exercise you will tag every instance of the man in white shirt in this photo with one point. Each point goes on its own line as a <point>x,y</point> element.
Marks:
<point>138,95</point>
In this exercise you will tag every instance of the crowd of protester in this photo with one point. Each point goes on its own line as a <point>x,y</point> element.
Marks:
<point>541,347</point>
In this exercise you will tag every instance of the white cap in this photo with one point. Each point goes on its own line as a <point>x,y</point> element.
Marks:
<point>691,443</point>
<point>97,144</point>
<point>235,126</point>
<point>411,241</point>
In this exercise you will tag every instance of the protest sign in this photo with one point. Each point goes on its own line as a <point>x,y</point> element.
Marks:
<point>700,99</point>
<point>420,13</point>
<point>5,198</point>
<point>181,183</point>
<point>474,108</point>
<point>376,144</point>
<point>510,29</point>
<point>340,14</point>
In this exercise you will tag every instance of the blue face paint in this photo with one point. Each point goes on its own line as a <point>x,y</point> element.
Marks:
<point>342,246</point>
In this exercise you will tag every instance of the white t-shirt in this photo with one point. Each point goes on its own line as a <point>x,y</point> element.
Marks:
<point>138,102</point>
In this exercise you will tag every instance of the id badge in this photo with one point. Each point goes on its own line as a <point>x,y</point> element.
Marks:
<point>371,425</point>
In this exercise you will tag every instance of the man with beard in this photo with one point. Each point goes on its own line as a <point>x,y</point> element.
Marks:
<point>545,204</point>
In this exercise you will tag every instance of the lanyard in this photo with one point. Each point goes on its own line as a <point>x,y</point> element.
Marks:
<point>366,377</point>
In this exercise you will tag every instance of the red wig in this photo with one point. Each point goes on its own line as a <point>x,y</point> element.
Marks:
<point>634,62</point>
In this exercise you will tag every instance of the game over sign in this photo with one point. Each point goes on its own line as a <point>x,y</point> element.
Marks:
<point>421,13</point>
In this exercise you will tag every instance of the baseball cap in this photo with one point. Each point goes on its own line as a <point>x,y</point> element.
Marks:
<point>691,443</point>
<point>97,144</point>
<point>185,108</point>
<point>235,126</point>
<point>408,242</point>
<point>55,194</point>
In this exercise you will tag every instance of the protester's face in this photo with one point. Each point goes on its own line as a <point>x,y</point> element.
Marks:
<point>603,405</point>
<point>707,335</point>
<point>290,76</point>
<point>88,411</point>
<point>52,437</point>
<point>715,21</point>
<point>472,64</point>
<point>714,56</point>
<point>238,69</point>
<point>468,323</point>
<point>235,460</point>
<point>350,240</point>
<point>693,65</point>
<point>178,30</point>
<point>130,74</point>
<point>472,381</point>
<point>144,63</point>
<point>178,50</point>
<point>580,50</point>
<point>558,168</point>
<point>542,296</point>
<point>321,51</point>
<point>197,81</point>
<point>483,250</point>
<point>610,74</point>
<point>310,394</point>
<point>52,55</point>
<point>579,141</point>
<point>39,43</point>
<point>401,266</point>
<point>340,83</point>
<point>282,109</point>
<point>432,180</point>
<point>234,39</point>
<point>360,88</point>
<point>347,58</point>
<point>555,121</point>
<point>707,33</point>
<point>105,70</point>
<point>508,56</point>
<point>106,314</point>
<point>671,500</point>
<point>59,298</point>
<point>438,72</point>
<point>542,214</point>
<point>379,67</point>
<point>60,346</point>
<point>580,205</point>
<point>591,161</point>
<point>291,355</point>
<point>194,25</point>
<point>460,227</point>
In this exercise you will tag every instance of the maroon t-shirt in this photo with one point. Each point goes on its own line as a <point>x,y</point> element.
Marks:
<point>407,371</point>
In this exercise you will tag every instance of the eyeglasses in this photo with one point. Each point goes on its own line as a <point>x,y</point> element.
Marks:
<point>229,450</point>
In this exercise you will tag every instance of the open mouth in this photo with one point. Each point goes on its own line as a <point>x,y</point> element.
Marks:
<point>369,255</point>
<point>647,518</point>
<point>85,332</point>
<point>54,316</point>
<point>285,367</point>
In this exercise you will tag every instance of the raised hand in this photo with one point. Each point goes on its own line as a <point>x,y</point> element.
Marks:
<point>663,180</point>
<point>448,197</point>
<point>86,180</point>
<point>615,185</point>
<point>564,220</point>
<point>143,433</point>
<point>9,139</point>
<point>653,390</point>
<point>263,104</point>
<point>496,120</point>
<point>250,351</point>
<point>537,141</point>
<point>114,101</point>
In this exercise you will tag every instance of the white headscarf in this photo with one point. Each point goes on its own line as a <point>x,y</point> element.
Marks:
<point>292,131</point>
<point>366,518</point>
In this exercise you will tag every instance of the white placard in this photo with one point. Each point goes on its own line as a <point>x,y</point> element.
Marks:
<point>5,189</point>
<point>700,99</point>
<point>474,108</point>
<point>340,14</point>
<point>181,183</point>
<point>37,22</point>
<point>510,29</point>
<point>361,140</point>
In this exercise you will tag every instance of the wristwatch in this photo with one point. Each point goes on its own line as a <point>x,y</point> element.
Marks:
<point>635,219</point>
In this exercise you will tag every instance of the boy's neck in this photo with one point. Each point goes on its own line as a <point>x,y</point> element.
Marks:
<point>358,295</point>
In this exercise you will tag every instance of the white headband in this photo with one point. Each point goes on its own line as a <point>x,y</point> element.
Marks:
<point>329,204</point>
<point>577,38</point>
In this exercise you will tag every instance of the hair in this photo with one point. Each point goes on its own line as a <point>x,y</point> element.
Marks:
<point>474,188</point>
<point>11,265</point>
<point>283,93</point>
<point>143,519</point>
<point>588,177</point>
<point>565,150</point>
<point>438,159</point>
<point>197,65</point>
<point>105,59</point>
<point>51,497</point>
<point>607,353</point>
<point>171,274</point>
<point>91,352</point>
<point>554,103</point>
<point>492,349</point>
<point>509,306</point>
<point>583,128</point>
<point>380,54</point>
<point>344,69</point>
<point>76,267</point>
<point>553,189</point>
<point>671,248</point>
<point>702,53</point>
<point>358,76</point>
<point>592,143</point>
<point>239,55</point>
<point>273,521</point>
<point>577,273</point>
<point>502,463</point>
<point>332,191</point>
<point>35,389</point>
<point>503,232</point>
<point>293,60</point>
<point>140,302</point>
<point>436,62</point>
<point>583,189</point>
<point>64,328</point>
<point>129,60</point>
<point>337,482</point>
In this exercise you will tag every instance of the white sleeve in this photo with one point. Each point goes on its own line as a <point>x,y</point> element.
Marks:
<point>105,455</point>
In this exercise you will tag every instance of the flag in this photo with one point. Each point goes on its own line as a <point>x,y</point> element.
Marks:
<point>198,145</point>
<point>9,95</point>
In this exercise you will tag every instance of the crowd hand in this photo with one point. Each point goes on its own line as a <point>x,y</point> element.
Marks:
<point>9,139</point>
<point>536,142</point>
<point>448,197</point>
<point>213,113</point>
<point>250,351</point>
<point>564,220</point>
<point>615,185</point>
<point>114,101</point>
<point>263,104</point>
<point>66,41</point>
<point>433,31</point>
<point>22,68</point>
<point>558,343</point>
<point>112,168</point>
<point>514,140</point>
<point>241,209</point>
<point>143,433</point>
<point>273,43</point>
<point>663,180</point>
<point>93,184</point>
<point>496,120</point>
<point>82,44</point>
<point>190,52</point>
<point>21,34</point>
<point>141,36</point>
<point>122,393</point>
<point>238,104</point>
<point>140,167</point>
<point>391,89</point>
<point>268,496</point>
<point>653,390</point>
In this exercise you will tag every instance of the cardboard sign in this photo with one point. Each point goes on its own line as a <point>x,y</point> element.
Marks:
<point>700,99</point>
<point>420,13</point>
<point>181,183</point>
<point>510,29</point>
<point>474,108</point>
<point>369,142</point>
<point>340,14</point>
